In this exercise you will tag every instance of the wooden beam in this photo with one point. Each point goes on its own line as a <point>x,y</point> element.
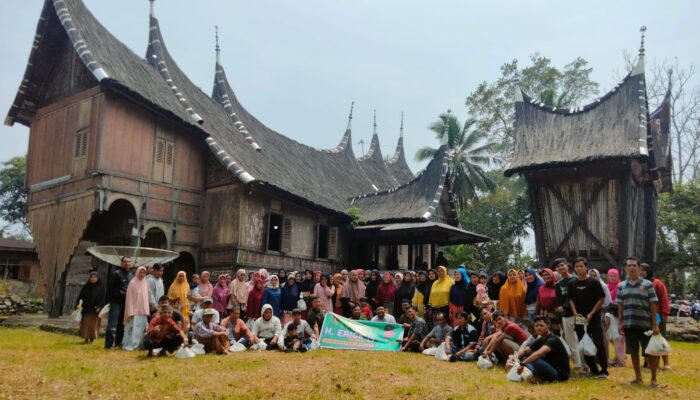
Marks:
<point>537,224</point>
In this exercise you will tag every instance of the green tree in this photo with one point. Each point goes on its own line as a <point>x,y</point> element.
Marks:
<point>679,237</point>
<point>491,104</point>
<point>471,154</point>
<point>13,194</point>
<point>504,216</point>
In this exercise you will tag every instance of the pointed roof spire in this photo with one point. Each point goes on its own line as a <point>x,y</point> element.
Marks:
<point>639,67</point>
<point>153,8</point>
<point>401,129</point>
<point>352,106</point>
<point>217,48</point>
<point>518,94</point>
<point>641,46</point>
<point>375,122</point>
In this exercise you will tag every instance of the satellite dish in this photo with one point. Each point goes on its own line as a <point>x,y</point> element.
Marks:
<point>139,255</point>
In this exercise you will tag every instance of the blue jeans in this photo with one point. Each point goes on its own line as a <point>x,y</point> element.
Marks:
<point>544,370</point>
<point>466,356</point>
<point>115,326</point>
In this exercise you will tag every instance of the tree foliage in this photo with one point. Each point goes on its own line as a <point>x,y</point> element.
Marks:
<point>471,154</point>
<point>13,194</point>
<point>679,236</point>
<point>503,216</point>
<point>491,104</point>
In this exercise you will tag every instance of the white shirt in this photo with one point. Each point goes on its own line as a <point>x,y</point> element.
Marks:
<point>388,318</point>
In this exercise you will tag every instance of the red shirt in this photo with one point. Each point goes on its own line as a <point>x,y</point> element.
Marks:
<point>165,328</point>
<point>662,294</point>
<point>513,330</point>
<point>367,312</point>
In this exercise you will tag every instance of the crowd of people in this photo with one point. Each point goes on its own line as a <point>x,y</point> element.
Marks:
<point>535,316</point>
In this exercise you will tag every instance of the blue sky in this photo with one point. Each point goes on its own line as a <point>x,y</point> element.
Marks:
<point>298,65</point>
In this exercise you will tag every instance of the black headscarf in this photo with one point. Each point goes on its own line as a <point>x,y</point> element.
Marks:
<point>371,286</point>
<point>428,287</point>
<point>495,288</point>
<point>92,295</point>
<point>405,290</point>
<point>307,285</point>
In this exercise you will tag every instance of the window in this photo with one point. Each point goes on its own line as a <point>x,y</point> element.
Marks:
<point>164,159</point>
<point>274,232</point>
<point>9,268</point>
<point>80,147</point>
<point>322,248</point>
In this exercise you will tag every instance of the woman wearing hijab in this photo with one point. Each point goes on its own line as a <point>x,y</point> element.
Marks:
<point>273,296</point>
<point>220,296</point>
<point>595,274</point>
<point>255,296</point>
<point>547,296</point>
<point>178,295</point>
<point>533,283</point>
<point>93,297</point>
<point>371,289</point>
<point>432,278</point>
<point>353,291</point>
<point>136,311</point>
<point>419,297</point>
<point>324,290</point>
<point>512,297</point>
<point>206,289</point>
<point>611,318</point>
<point>495,284</point>
<point>338,296</point>
<point>291,293</point>
<point>307,289</point>
<point>282,275</point>
<point>458,294</point>
<point>386,293</point>
<point>238,293</point>
<point>440,292</point>
<point>471,305</point>
<point>405,291</point>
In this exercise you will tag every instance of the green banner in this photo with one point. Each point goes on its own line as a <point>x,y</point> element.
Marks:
<point>347,334</point>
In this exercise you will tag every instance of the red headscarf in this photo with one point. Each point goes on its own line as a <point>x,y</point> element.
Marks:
<point>546,294</point>
<point>386,292</point>
<point>255,296</point>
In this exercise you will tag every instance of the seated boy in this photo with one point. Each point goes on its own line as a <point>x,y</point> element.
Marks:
<point>546,358</point>
<point>292,341</point>
<point>508,341</point>
<point>461,345</point>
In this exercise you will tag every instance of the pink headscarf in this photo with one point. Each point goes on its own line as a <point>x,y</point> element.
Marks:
<point>137,296</point>
<point>206,289</point>
<point>220,295</point>
<point>612,287</point>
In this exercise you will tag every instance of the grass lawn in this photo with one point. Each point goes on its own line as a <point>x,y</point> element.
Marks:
<point>41,365</point>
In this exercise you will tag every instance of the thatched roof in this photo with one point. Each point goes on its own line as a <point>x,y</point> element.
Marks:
<point>613,126</point>
<point>257,155</point>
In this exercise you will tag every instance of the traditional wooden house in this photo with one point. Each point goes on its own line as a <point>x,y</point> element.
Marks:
<point>124,147</point>
<point>594,173</point>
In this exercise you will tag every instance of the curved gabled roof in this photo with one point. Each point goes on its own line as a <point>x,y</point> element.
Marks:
<point>397,165</point>
<point>614,126</point>
<point>374,168</point>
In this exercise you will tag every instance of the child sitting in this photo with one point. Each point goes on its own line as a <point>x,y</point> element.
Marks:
<point>291,340</point>
<point>366,309</point>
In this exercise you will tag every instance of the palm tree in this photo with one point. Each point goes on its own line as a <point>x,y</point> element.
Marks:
<point>471,153</point>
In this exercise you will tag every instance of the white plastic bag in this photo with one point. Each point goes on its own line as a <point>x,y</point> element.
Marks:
<point>566,346</point>
<point>301,304</point>
<point>430,351</point>
<point>237,347</point>
<point>513,374</point>
<point>104,312</point>
<point>198,349</point>
<point>184,352</point>
<point>613,331</point>
<point>441,354</point>
<point>314,344</point>
<point>526,374</point>
<point>261,345</point>
<point>484,363</point>
<point>658,346</point>
<point>586,345</point>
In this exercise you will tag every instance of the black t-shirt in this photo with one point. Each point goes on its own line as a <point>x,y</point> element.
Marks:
<point>585,293</point>
<point>557,356</point>
<point>462,337</point>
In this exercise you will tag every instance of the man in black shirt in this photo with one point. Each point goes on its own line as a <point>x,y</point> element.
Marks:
<point>316,315</point>
<point>546,357</point>
<point>461,345</point>
<point>116,296</point>
<point>586,298</point>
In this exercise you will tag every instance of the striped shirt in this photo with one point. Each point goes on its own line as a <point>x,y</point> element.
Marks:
<point>636,299</point>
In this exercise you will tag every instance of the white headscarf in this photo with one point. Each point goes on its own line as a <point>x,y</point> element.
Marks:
<point>608,298</point>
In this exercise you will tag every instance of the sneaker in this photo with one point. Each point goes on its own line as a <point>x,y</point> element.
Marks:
<point>453,358</point>
<point>603,376</point>
<point>655,385</point>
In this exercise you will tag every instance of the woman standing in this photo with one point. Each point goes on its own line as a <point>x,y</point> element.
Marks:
<point>338,296</point>
<point>93,296</point>
<point>178,295</point>
<point>238,294</point>
<point>273,296</point>
<point>512,297</point>
<point>439,300</point>
<point>136,311</point>
<point>290,295</point>
<point>405,291</point>
<point>220,296</point>
<point>458,294</point>
<point>419,297</point>
<point>352,292</point>
<point>547,299</point>
<point>533,283</point>
<point>495,284</point>
<point>371,290</point>
<point>206,289</point>
<point>386,293</point>
<point>325,291</point>
<point>255,299</point>
<point>611,317</point>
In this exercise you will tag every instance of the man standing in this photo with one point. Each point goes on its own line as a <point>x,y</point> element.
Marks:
<point>637,304</point>
<point>563,309</point>
<point>116,296</point>
<point>316,315</point>
<point>586,297</point>
<point>155,286</point>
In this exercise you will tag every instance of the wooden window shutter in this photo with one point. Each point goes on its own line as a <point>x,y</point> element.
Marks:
<point>169,159</point>
<point>84,144</point>
<point>159,162</point>
<point>287,235</point>
<point>333,243</point>
<point>78,142</point>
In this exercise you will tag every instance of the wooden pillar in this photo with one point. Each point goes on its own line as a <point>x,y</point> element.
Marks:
<point>376,255</point>
<point>410,258</point>
<point>649,248</point>
<point>538,226</point>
